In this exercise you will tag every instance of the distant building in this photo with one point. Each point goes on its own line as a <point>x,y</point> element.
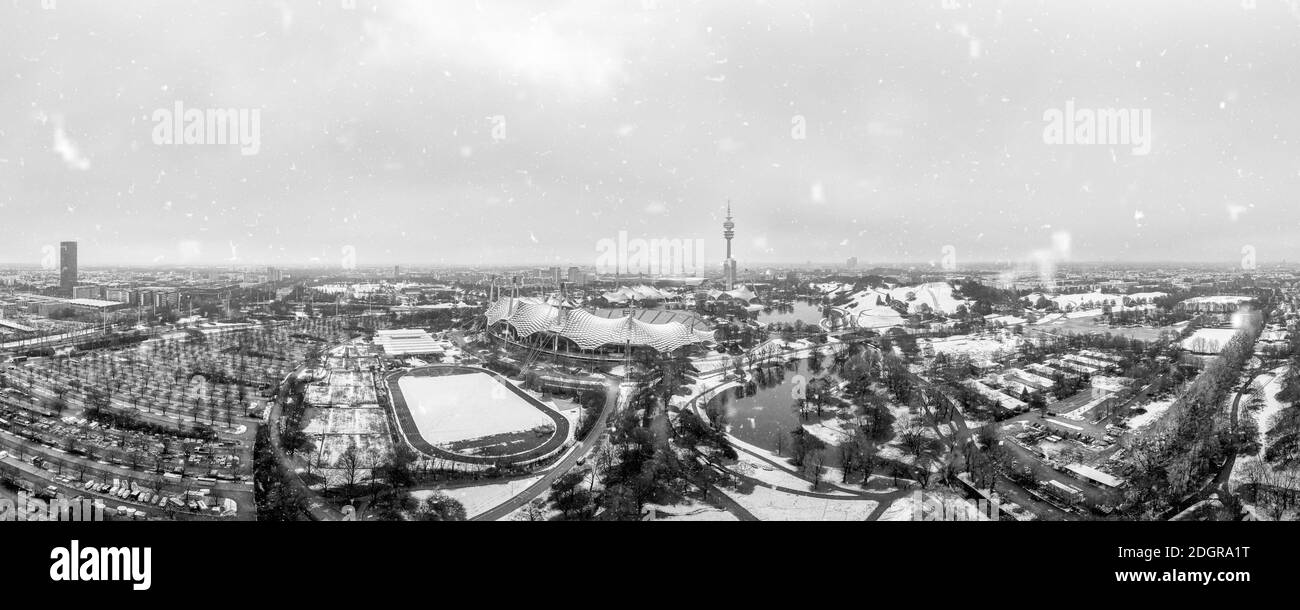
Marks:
<point>85,292</point>
<point>576,276</point>
<point>158,297</point>
<point>852,263</point>
<point>67,266</point>
<point>274,274</point>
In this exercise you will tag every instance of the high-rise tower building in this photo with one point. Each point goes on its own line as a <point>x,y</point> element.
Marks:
<point>67,266</point>
<point>729,263</point>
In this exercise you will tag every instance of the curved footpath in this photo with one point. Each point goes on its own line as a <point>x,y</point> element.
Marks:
<point>885,499</point>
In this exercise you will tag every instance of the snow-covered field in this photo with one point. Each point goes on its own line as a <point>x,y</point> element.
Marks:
<point>1208,340</point>
<point>1111,383</point>
<point>868,310</point>
<point>771,505</point>
<point>1155,410</point>
<point>830,431</point>
<point>937,295</point>
<point>347,421</point>
<point>782,476</point>
<point>481,498</point>
<point>751,466</point>
<point>1087,299</point>
<point>977,347</point>
<point>452,408</point>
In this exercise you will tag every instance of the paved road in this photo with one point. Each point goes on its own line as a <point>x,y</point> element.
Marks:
<point>543,484</point>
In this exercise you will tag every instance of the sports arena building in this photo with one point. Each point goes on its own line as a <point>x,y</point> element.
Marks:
<point>559,328</point>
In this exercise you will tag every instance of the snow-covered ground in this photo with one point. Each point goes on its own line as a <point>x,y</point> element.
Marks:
<point>1110,384</point>
<point>690,512</point>
<point>831,288</point>
<point>830,431</point>
<point>868,310</point>
<point>979,347</point>
<point>481,498</point>
<point>937,295</point>
<point>771,505</point>
<point>452,408</point>
<point>779,475</point>
<point>751,466</point>
<point>1264,420</point>
<point>1087,299</point>
<point>1208,340</point>
<point>1154,411</point>
<point>901,510</point>
<point>870,307</point>
<point>939,504</point>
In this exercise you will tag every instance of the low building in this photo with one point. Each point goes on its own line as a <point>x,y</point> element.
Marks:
<point>408,342</point>
<point>1088,473</point>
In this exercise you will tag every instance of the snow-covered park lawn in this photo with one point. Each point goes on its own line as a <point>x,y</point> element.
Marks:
<point>771,505</point>
<point>481,498</point>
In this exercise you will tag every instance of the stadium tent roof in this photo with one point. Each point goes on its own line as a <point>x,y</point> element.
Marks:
<point>623,293</point>
<point>559,301</point>
<point>742,293</point>
<point>529,316</point>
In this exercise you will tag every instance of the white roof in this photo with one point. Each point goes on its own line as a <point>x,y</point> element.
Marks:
<point>529,315</point>
<point>1088,472</point>
<point>92,302</point>
<point>404,341</point>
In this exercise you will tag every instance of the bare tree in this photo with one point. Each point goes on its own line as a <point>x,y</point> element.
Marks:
<point>351,463</point>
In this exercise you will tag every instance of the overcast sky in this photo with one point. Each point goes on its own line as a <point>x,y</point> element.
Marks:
<point>486,132</point>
